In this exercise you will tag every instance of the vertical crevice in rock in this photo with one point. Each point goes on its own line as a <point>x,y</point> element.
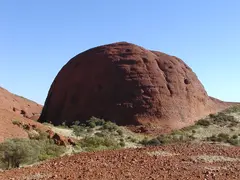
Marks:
<point>166,78</point>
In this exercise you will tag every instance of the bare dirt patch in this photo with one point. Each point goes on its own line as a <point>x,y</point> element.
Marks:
<point>210,159</point>
<point>160,153</point>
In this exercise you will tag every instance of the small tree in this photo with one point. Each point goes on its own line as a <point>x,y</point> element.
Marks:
<point>15,152</point>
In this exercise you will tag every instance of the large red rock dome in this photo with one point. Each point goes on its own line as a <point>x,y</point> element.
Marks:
<point>129,85</point>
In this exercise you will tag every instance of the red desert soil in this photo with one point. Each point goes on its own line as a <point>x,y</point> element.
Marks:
<point>129,85</point>
<point>177,161</point>
<point>13,107</point>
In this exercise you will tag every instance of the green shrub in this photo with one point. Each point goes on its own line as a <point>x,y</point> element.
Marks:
<point>110,126</point>
<point>122,144</point>
<point>77,123</point>
<point>16,122</point>
<point>25,126</point>
<point>212,116</point>
<point>49,150</point>
<point>235,136</point>
<point>176,132</point>
<point>78,130</point>
<point>92,125</point>
<point>180,138</point>
<point>90,130</point>
<point>42,135</point>
<point>144,141</point>
<point>233,109</point>
<point>233,124</point>
<point>233,142</point>
<point>190,137</point>
<point>154,142</point>
<point>188,128</point>
<point>203,122</point>
<point>15,152</point>
<point>98,143</point>
<point>133,140</point>
<point>33,134</point>
<point>64,125</point>
<point>100,134</point>
<point>223,137</point>
<point>95,121</point>
<point>223,119</point>
<point>120,132</point>
<point>151,142</point>
<point>166,139</point>
<point>212,138</point>
<point>47,124</point>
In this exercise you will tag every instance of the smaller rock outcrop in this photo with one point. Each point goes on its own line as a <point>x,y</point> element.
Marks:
<point>18,104</point>
<point>59,139</point>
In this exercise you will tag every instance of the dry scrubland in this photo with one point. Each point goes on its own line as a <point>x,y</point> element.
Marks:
<point>216,131</point>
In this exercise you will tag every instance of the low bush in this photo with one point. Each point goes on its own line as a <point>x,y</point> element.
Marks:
<point>49,150</point>
<point>212,138</point>
<point>194,131</point>
<point>167,139</point>
<point>98,143</point>
<point>233,142</point>
<point>110,126</point>
<point>154,142</point>
<point>233,124</point>
<point>16,122</point>
<point>122,144</point>
<point>91,124</point>
<point>162,139</point>
<point>93,121</point>
<point>234,136</point>
<point>25,126</point>
<point>188,128</point>
<point>33,134</point>
<point>100,134</point>
<point>203,122</point>
<point>222,137</point>
<point>78,130</point>
<point>16,152</point>
<point>222,119</point>
<point>144,141</point>
<point>233,109</point>
<point>120,132</point>
<point>133,140</point>
<point>212,116</point>
<point>90,130</point>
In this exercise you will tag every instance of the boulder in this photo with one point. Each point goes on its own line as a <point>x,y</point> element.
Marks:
<point>129,85</point>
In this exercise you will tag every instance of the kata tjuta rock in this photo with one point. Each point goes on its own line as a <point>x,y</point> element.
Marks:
<point>16,112</point>
<point>128,85</point>
<point>18,105</point>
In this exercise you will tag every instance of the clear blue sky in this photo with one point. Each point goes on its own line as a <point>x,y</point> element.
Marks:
<point>38,37</point>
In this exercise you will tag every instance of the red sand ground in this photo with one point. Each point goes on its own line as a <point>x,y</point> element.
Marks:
<point>137,164</point>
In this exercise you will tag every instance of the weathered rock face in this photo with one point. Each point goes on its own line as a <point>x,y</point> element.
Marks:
<point>129,85</point>
<point>17,108</point>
